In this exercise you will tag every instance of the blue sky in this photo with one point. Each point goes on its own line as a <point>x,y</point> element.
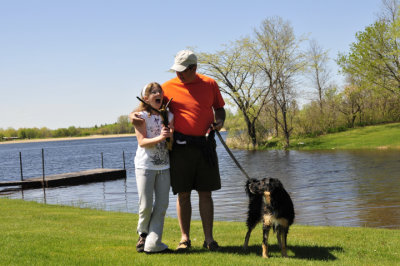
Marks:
<point>82,63</point>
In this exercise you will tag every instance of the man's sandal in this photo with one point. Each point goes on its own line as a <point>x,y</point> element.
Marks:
<point>212,246</point>
<point>184,246</point>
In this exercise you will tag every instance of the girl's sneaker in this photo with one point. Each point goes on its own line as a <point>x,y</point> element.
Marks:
<point>140,243</point>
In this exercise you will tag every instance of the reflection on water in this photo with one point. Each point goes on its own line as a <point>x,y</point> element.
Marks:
<point>336,188</point>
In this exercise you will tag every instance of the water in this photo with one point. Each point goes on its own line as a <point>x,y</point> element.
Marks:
<point>334,188</point>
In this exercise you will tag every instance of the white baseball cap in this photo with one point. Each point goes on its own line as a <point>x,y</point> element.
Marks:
<point>183,59</point>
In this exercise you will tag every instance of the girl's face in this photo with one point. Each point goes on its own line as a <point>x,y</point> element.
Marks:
<point>155,97</point>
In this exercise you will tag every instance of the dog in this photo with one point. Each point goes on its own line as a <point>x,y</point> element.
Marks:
<point>270,202</point>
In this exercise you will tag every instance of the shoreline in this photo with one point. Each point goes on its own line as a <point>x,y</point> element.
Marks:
<point>68,138</point>
<point>72,138</point>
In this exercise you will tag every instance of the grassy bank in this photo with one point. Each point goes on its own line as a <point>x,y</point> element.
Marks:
<point>370,137</point>
<point>38,234</point>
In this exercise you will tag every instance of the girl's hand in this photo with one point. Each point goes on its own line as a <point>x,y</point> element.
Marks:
<point>166,132</point>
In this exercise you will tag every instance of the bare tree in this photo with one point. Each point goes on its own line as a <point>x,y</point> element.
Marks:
<point>318,69</point>
<point>281,60</point>
<point>390,10</point>
<point>240,79</point>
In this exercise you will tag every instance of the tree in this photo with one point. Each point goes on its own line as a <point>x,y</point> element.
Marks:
<point>10,132</point>
<point>73,131</point>
<point>281,60</point>
<point>240,79</point>
<point>390,10</point>
<point>44,132</point>
<point>318,70</point>
<point>123,125</point>
<point>375,56</point>
<point>28,133</point>
<point>61,132</point>
<point>351,104</point>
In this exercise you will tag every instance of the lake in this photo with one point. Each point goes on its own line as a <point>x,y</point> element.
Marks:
<point>333,188</point>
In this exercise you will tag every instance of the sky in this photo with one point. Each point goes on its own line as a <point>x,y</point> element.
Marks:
<point>83,62</point>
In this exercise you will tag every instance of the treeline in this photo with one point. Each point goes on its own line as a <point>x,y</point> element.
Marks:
<point>340,111</point>
<point>122,126</point>
<point>262,76</point>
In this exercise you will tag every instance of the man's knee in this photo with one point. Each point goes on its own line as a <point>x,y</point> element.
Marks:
<point>183,197</point>
<point>205,195</point>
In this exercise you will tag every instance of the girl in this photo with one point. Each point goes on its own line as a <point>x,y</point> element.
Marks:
<point>152,170</point>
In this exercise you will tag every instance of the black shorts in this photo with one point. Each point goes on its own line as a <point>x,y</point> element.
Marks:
<point>191,170</point>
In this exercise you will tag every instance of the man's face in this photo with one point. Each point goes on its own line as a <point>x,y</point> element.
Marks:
<point>188,75</point>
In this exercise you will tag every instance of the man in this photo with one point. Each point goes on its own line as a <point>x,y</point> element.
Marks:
<point>197,106</point>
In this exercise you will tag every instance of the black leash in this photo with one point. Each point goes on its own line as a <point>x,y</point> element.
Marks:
<point>163,112</point>
<point>231,154</point>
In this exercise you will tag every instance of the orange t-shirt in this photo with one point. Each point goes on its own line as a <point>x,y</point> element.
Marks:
<point>193,104</point>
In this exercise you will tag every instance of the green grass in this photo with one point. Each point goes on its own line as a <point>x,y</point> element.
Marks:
<point>36,234</point>
<point>371,137</point>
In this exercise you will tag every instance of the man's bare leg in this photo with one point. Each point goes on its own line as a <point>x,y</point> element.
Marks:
<point>206,207</point>
<point>184,210</point>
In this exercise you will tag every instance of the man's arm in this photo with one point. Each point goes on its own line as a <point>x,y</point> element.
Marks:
<point>219,118</point>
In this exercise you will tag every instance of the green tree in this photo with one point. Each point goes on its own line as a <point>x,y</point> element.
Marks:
<point>311,121</point>
<point>73,131</point>
<point>28,133</point>
<point>352,103</point>
<point>10,132</point>
<point>375,56</point>
<point>44,132</point>
<point>61,132</point>
<point>123,125</point>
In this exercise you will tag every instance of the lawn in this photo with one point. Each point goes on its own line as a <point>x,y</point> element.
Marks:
<point>39,234</point>
<point>385,136</point>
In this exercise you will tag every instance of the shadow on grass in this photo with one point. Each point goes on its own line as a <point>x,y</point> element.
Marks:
<point>300,252</point>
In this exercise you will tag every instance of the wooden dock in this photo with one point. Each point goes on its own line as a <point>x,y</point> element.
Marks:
<point>69,179</point>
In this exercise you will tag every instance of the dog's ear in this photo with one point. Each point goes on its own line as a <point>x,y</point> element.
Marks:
<point>275,187</point>
<point>275,183</point>
<point>278,192</point>
<point>246,187</point>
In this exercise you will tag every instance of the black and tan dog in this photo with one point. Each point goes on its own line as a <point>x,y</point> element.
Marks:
<point>269,201</point>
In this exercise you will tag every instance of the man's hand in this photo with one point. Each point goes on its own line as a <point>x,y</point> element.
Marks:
<point>219,119</point>
<point>136,119</point>
<point>217,125</point>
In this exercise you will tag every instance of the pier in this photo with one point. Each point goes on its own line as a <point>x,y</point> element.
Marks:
<point>68,179</point>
